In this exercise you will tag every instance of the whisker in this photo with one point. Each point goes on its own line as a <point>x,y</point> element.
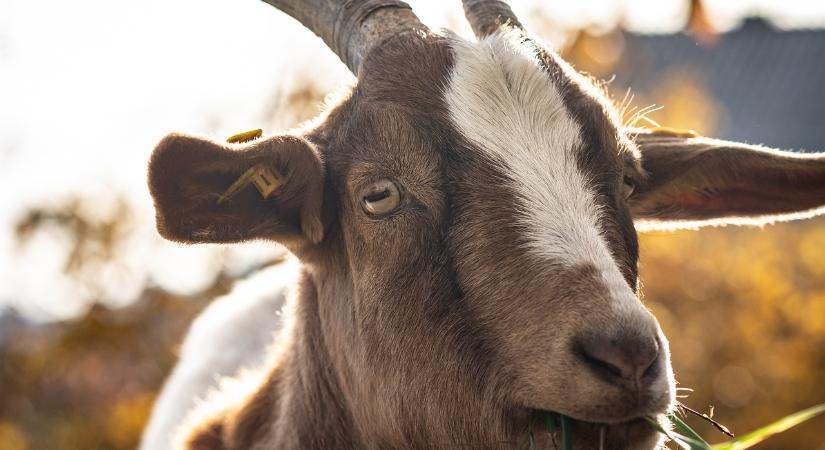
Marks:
<point>642,114</point>
<point>651,121</point>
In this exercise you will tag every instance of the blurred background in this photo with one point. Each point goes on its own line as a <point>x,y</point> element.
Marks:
<point>93,303</point>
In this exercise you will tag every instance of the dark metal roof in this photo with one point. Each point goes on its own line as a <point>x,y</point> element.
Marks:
<point>770,82</point>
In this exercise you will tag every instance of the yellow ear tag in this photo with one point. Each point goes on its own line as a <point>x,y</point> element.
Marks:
<point>246,136</point>
<point>266,179</point>
<point>676,132</point>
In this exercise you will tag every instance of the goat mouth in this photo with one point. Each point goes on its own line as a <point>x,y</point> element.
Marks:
<point>631,422</point>
<point>631,433</point>
<point>619,421</point>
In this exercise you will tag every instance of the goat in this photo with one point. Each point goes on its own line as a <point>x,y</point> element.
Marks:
<point>465,220</point>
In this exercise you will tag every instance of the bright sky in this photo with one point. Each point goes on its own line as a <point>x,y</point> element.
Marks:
<point>88,87</point>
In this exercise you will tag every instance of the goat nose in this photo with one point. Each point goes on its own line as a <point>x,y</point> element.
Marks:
<point>622,358</point>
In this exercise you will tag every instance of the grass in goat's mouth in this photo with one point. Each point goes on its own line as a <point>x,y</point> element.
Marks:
<point>683,435</point>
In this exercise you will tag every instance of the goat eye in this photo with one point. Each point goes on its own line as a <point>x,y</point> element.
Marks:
<point>628,185</point>
<point>381,198</point>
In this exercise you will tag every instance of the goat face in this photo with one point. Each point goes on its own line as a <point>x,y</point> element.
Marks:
<point>476,242</point>
<point>465,219</point>
<point>542,237</point>
<point>512,233</point>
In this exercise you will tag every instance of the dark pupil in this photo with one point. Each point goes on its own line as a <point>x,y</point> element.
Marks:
<point>377,196</point>
<point>628,180</point>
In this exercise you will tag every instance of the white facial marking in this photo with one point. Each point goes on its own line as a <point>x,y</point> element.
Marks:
<point>501,101</point>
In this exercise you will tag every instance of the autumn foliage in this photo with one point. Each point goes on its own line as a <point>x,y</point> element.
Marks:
<point>744,309</point>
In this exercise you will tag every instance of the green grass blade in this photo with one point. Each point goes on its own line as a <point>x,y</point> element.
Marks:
<point>658,427</point>
<point>530,439</point>
<point>755,437</point>
<point>550,422</point>
<point>693,439</point>
<point>682,441</point>
<point>566,434</point>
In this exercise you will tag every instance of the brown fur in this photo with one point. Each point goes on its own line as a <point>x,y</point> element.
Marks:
<point>208,435</point>
<point>430,328</point>
<point>701,179</point>
<point>361,374</point>
<point>186,199</point>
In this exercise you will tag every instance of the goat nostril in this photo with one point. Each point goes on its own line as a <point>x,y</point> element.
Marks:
<point>606,366</point>
<point>651,368</point>
<point>626,357</point>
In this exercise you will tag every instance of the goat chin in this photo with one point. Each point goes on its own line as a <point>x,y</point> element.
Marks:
<point>213,349</point>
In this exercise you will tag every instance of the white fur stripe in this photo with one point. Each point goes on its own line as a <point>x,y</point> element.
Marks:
<point>502,102</point>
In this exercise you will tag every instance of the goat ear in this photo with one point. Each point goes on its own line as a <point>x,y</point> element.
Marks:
<point>205,191</point>
<point>692,181</point>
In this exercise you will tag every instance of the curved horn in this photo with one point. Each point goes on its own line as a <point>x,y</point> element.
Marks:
<point>488,16</point>
<point>351,27</point>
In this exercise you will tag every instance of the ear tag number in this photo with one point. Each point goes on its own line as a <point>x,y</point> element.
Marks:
<point>675,132</point>
<point>266,179</point>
